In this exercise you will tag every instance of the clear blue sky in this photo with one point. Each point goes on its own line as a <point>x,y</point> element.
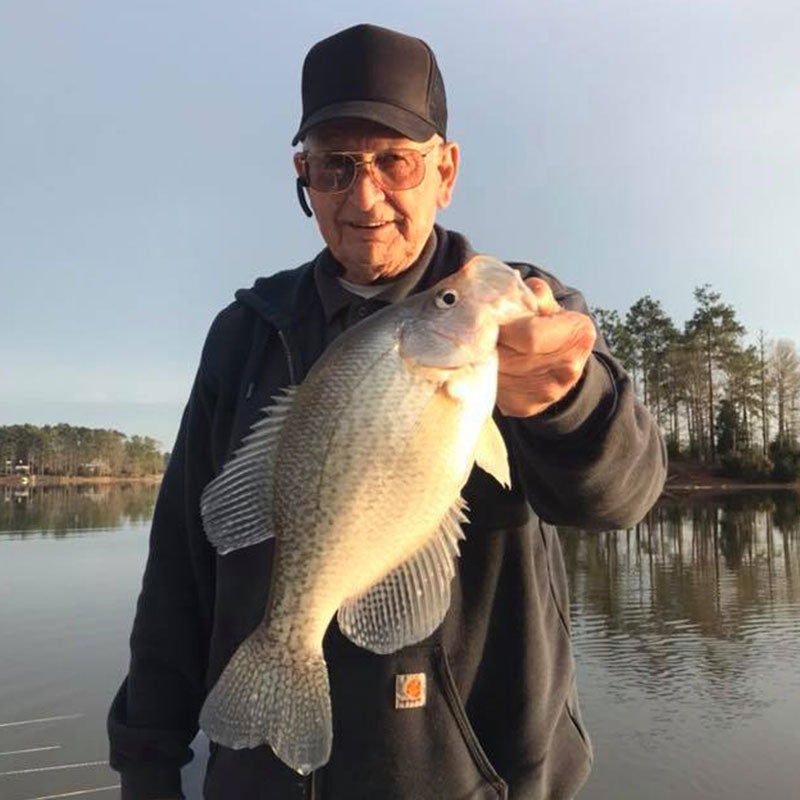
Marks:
<point>630,146</point>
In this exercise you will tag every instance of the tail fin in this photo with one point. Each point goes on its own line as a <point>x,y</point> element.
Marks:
<point>270,695</point>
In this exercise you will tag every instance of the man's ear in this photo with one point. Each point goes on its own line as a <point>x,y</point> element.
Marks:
<point>301,183</point>
<point>448,169</point>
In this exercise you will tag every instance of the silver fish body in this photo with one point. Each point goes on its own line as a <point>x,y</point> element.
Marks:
<point>357,473</point>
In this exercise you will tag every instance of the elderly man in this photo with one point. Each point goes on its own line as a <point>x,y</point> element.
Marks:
<point>496,714</point>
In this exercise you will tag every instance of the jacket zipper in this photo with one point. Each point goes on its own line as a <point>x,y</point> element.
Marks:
<point>312,786</point>
<point>288,353</point>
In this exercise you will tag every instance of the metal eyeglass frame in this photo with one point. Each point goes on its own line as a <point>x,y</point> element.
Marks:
<point>302,181</point>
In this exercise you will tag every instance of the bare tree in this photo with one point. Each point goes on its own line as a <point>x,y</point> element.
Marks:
<point>785,370</point>
<point>765,392</point>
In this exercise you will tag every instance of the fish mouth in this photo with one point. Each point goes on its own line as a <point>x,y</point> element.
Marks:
<point>450,359</point>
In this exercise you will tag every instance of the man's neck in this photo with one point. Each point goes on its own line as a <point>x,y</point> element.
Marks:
<point>400,285</point>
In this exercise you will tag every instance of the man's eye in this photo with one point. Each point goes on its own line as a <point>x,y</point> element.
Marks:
<point>332,163</point>
<point>392,162</point>
<point>389,157</point>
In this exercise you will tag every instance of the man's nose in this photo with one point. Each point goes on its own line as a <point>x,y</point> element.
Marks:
<point>364,192</point>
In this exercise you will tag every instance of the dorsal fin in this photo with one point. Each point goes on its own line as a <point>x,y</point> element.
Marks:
<point>237,505</point>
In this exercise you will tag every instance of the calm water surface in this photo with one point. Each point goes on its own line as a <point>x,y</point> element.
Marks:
<point>686,630</point>
<point>687,642</point>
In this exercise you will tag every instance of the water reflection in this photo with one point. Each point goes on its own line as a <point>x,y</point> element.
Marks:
<point>686,632</point>
<point>693,620</point>
<point>61,510</point>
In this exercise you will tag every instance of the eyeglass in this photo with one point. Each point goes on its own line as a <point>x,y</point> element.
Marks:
<point>394,169</point>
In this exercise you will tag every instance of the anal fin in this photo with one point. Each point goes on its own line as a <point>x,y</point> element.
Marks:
<point>410,602</point>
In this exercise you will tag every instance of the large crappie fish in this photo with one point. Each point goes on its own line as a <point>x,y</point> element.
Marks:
<point>357,473</point>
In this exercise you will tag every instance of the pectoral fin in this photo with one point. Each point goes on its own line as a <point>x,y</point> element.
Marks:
<point>409,603</point>
<point>491,455</point>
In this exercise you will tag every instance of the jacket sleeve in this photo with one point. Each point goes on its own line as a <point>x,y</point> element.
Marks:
<point>595,459</point>
<point>153,717</point>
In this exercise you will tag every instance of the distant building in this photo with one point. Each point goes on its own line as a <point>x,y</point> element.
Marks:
<point>97,467</point>
<point>23,473</point>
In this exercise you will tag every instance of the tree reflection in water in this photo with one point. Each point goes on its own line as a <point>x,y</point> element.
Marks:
<point>695,600</point>
<point>62,510</point>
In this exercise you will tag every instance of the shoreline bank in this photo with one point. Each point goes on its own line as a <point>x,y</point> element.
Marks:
<point>726,485</point>
<point>682,477</point>
<point>78,480</point>
<point>690,476</point>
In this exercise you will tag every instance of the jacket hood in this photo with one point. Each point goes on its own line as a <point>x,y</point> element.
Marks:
<point>277,298</point>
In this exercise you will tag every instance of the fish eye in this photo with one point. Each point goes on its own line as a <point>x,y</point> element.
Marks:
<point>446,298</point>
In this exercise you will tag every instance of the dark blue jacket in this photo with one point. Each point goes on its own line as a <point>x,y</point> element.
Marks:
<point>501,717</point>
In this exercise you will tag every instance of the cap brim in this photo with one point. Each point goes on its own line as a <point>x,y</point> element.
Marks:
<point>407,123</point>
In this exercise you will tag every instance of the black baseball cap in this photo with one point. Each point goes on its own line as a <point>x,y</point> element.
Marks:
<point>375,74</point>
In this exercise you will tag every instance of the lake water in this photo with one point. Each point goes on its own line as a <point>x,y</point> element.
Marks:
<point>686,631</point>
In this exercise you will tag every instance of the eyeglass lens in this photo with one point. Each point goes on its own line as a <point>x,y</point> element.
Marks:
<point>393,169</point>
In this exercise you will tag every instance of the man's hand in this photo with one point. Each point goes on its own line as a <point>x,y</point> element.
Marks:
<point>541,357</point>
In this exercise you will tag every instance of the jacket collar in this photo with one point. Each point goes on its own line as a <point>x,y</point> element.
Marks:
<point>282,299</point>
<point>335,297</point>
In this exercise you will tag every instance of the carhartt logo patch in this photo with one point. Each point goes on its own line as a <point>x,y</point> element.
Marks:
<point>409,690</point>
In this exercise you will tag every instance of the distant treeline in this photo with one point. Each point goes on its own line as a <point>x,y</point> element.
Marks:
<point>68,450</point>
<point>717,398</point>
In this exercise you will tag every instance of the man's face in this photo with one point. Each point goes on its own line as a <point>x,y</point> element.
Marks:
<point>372,232</point>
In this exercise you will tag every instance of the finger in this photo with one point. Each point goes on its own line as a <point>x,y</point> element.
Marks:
<point>544,296</point>
<point>571,330</point>
<point>543,390</point>
<point>546,345</point>
<point>570,371</point>
<point>544,384</point>
<point>521,334</point>
<point>566,367</point>
<point>547,334</point>
<point>583,335</point>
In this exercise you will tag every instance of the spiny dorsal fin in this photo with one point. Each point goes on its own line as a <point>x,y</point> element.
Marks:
<point>409,603</point>
<point>237,505</point>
